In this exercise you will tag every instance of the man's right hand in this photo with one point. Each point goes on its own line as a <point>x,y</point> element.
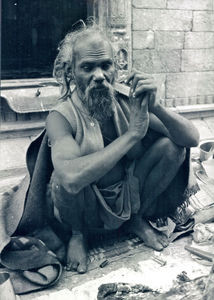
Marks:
<point>139,115</point>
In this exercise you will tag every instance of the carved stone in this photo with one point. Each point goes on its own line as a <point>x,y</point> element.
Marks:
<point>115,18</point>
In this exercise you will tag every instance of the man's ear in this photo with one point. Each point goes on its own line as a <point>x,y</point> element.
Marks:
<point>69,71</point>
<point>73,71</point>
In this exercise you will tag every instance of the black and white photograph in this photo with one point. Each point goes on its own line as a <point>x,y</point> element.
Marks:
<point>107,150</point>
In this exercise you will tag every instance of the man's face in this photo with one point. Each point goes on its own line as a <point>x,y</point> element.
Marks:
<point>94,74</point>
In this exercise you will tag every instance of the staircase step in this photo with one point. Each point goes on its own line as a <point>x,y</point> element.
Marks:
<point>6,183</point>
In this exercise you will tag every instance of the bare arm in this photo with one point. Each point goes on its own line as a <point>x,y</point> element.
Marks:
<point>4,237</point>
<point>179,129</point>
<point>76,171</point>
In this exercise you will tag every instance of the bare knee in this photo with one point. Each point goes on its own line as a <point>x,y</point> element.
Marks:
<point>173,153</point>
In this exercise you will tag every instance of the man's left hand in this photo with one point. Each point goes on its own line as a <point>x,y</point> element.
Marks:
<point>142,84</point>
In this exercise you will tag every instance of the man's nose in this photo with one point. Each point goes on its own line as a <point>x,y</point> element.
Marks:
<point>98,75</point>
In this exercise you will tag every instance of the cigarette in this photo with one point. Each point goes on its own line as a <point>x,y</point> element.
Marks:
<point>159,261</point>
<point>104,263</point>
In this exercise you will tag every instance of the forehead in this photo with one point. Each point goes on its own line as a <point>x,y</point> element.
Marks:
<point>92,47</point>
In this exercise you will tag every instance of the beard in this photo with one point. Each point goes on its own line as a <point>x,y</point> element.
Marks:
<point>99,101</point>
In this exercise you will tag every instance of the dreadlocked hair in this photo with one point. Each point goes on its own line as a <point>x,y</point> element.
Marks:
<point>63,64</point>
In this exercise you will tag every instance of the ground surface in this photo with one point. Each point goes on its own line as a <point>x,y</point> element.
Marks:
<point>139,268</point>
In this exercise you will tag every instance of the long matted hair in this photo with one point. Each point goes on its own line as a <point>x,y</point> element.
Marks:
<point>63,64</point>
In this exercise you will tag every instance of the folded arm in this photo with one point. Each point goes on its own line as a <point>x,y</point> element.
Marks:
<point>179,129</point>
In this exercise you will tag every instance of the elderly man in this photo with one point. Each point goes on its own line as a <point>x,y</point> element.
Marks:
<point>115,161</point>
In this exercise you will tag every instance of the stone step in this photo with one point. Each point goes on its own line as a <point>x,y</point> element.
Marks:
<point>20,129</point>
<point>13,154</point>
<point>8,182</point>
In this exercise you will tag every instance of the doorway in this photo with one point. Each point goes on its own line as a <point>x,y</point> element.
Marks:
<point>31,32</point>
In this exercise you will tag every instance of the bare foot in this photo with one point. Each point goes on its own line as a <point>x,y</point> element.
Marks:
<point>77,254</point>
<point>151,237</point>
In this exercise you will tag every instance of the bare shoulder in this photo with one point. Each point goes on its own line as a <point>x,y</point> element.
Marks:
<point>57,126</point>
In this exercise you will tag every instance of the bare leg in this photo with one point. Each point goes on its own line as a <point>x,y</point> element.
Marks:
<point>73,211</point>
<point>77,253</point>
<point>155,171</point>
<point>157,168</point>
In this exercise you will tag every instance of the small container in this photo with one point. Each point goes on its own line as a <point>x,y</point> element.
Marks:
<point>6,288</point>
<point>206,150</point>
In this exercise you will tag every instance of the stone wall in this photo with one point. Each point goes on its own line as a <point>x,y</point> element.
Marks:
<point>174,40</point>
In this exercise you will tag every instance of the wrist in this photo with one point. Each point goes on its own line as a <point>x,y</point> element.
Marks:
<point>133,136</point>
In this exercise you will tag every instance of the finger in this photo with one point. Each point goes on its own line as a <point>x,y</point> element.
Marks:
<point>141,82</point>
<point>141,79</point>
<point>144,108</point>
<point>144,104</point>
<point>135,81</point>
<point>133,100</point>
<point>135,103</point>
<point>131,95</point>
<point>131,76</point>
<point>144,88</point>
<point>152,97</point>
<point>145,81</point>
<point>134,72</point>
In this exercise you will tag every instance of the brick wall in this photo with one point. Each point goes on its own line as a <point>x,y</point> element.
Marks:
<point>174,40</point>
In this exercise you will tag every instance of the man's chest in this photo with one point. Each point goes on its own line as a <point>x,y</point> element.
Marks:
<point>108,132</point>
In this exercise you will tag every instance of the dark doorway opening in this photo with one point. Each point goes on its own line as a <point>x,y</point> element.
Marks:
<point>31,32</point>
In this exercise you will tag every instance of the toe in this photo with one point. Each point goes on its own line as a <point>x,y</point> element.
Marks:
<point>68,267</point>
<point>165,244</point>
<point>154,244</point>
<point>158,247</point>
<point>164,241</point>
<point>82,268</point>
<point>71,266</point>
<point>74,266</point>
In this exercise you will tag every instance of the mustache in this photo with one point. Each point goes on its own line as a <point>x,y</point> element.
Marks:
<point>105,90</point>
<point>103,85</point>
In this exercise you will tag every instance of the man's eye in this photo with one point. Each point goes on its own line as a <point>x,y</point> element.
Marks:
<point>106,66</point>
<point>87,68</point>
